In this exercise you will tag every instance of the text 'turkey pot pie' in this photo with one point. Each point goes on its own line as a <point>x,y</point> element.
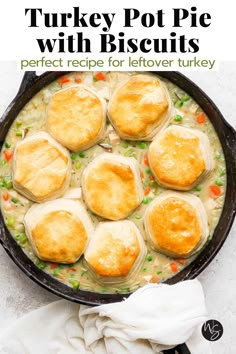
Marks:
<point>116,251</point>
<point>180,157</point>
<point>140,107</point>
<point>76,117</point>
<point>41,168</point>
<point>112,186</point>
<point>58,230</point>
<point>176,224</point>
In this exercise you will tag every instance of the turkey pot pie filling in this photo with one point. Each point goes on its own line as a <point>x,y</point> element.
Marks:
<point>156,266</point>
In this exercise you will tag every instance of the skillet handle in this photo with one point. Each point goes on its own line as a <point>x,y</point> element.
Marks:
<point>180,349</point>
<point>28,79</point>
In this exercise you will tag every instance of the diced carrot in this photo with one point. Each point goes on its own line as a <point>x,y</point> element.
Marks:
<point>152,178</point>
<point>78,79</point>
<point>100,77</point>
<point>181,261</point>
<point>145,160</point>
<point>6,196</point>
<point>53,265</point>
<point>154,279</point>
<point>147,190</point>
<point>8,155</point>
<point>201,118</point>
<point>71,270</point>
<point>63,80</point>
<point>214,191</point>
<point>174,267</point>
<point>141,174</point>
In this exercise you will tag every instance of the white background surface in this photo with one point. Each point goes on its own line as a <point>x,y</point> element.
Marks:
<point>19,295</point>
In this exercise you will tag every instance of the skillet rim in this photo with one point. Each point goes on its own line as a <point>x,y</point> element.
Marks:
<point>30,85</point>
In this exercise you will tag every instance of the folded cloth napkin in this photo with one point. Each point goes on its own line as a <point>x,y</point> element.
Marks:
<point>154,318</point>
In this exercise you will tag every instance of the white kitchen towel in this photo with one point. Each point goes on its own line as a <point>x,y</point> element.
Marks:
<point>154,318</point>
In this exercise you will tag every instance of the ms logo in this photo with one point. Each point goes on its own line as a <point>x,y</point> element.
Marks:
<point>212,330</point>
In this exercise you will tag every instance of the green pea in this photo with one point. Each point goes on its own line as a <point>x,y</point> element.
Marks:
<point>9,185</point>
<point>218,155</point>
<point>18,123</point>
<point>148,171</point>
<point>149,258</point>
<point>19,133</point>
<point>14,200</point>
<point>75,284</point>
<point>179,103</point>
<point>146,200</point>
<point>124,144</point>
<point>11,221</point>
<point>8,182</point>
<point>144,269</point>
<point>73,156</point>
<point>142,145</point>
<point>185,98</point>
<point>18,236</point>
<point>56,272</point>
<point>21,238</point>
<point>77,165</point>
<point>81,154</point>
<point>3,163</point>
<point>2,184</point>
<point>219,182</point>
<point>41,264</point>
<point>221,171</point>
<point>152,184</point>
<point>198,189</point>
<point>138,217</point>
<point>178,118</point>
<point>54,86</point>
<point>7,144</point>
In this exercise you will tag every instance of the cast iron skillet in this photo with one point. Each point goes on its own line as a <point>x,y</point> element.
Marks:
<point>30,85</point>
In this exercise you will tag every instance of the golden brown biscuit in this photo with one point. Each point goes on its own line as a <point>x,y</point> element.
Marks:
<point>41,168</point>
<point>140,107</point>
<point>112,186</point>
<point>76,117</point>
<point>176,224</point>
<point>180,157</point>
<point>116,250</point>
<point>58,230</point>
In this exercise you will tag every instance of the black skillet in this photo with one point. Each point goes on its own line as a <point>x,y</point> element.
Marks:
<point>30,85</point>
